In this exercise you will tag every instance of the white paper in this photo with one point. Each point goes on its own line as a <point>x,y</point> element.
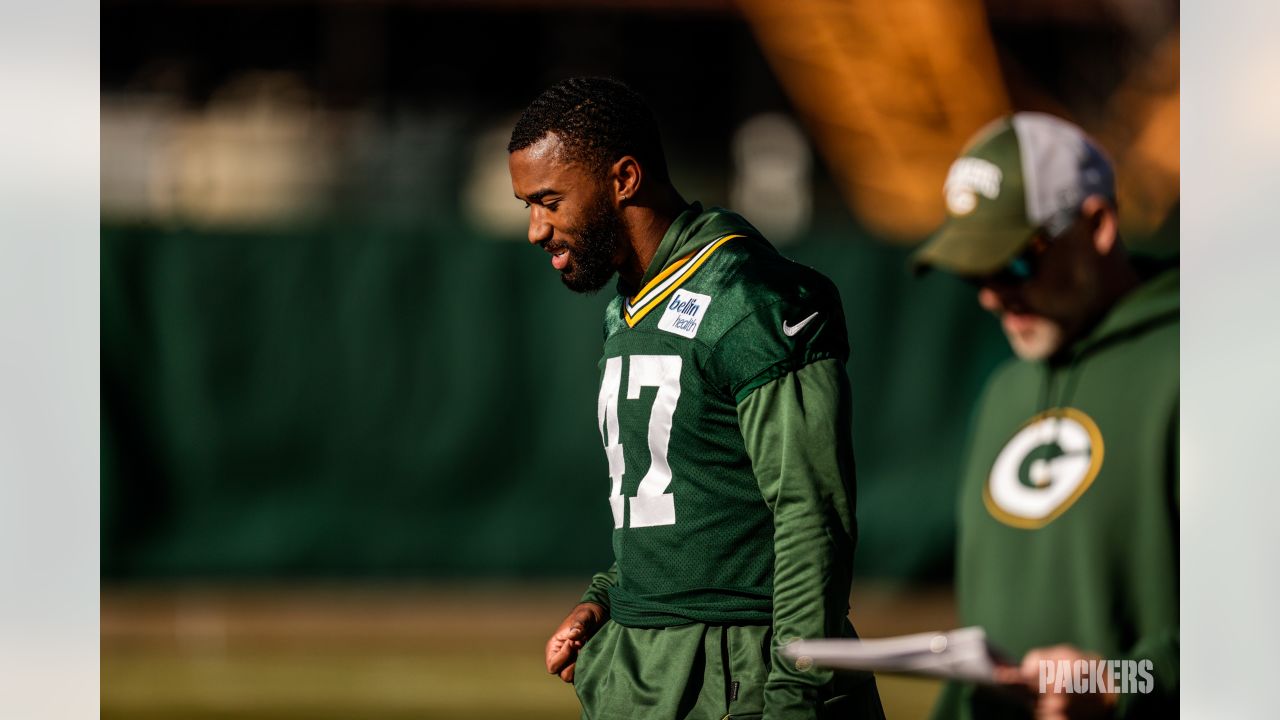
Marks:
<point>962,654</point>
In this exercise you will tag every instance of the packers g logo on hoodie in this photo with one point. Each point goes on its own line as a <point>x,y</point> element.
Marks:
<point>1044,468</point>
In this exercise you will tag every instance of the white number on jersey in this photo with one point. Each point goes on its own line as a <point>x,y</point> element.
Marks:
<point>652,505</point>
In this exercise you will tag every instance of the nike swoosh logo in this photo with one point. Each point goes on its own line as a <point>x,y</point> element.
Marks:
<point>791,330</point>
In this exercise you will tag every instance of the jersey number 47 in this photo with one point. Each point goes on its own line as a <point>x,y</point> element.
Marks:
<point>652,504</point>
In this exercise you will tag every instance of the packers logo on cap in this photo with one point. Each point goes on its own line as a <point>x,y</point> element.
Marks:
<point>1044,468</point>
<point>968,178</point>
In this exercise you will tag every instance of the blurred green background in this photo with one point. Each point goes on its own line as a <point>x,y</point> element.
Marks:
<point>359,401</point>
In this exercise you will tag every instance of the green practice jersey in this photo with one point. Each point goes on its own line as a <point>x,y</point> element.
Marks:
<point>720,315</point>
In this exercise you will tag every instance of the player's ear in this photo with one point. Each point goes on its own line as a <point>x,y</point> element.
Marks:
<point>1100,215</point>
<point>625,177</point>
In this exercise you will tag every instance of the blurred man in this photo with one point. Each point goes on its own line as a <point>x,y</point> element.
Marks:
<point>1068,510</point>
<point>724,413</point>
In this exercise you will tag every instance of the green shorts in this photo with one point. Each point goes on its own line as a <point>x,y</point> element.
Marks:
<point>695,672</point>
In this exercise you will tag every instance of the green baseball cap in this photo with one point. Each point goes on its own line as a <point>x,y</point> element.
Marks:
<point>1019,174</point>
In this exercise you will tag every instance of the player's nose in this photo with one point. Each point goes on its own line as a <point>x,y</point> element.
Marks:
<point>539,228</point>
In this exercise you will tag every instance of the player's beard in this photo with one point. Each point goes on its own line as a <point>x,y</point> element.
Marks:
<point>591,258</point>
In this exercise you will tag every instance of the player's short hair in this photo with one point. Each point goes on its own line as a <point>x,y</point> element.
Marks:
<point>598,120</point>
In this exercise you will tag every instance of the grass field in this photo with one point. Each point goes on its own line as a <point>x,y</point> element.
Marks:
<point>384,653</point>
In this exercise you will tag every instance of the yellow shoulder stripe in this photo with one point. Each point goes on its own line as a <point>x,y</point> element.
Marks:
<point>671,277</point>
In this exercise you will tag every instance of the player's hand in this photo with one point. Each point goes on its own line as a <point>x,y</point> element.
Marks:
<point>573,633</point>
<point>1051,705</point>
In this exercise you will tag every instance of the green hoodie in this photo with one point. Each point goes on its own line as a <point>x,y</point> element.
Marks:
<point>1068,509</point>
